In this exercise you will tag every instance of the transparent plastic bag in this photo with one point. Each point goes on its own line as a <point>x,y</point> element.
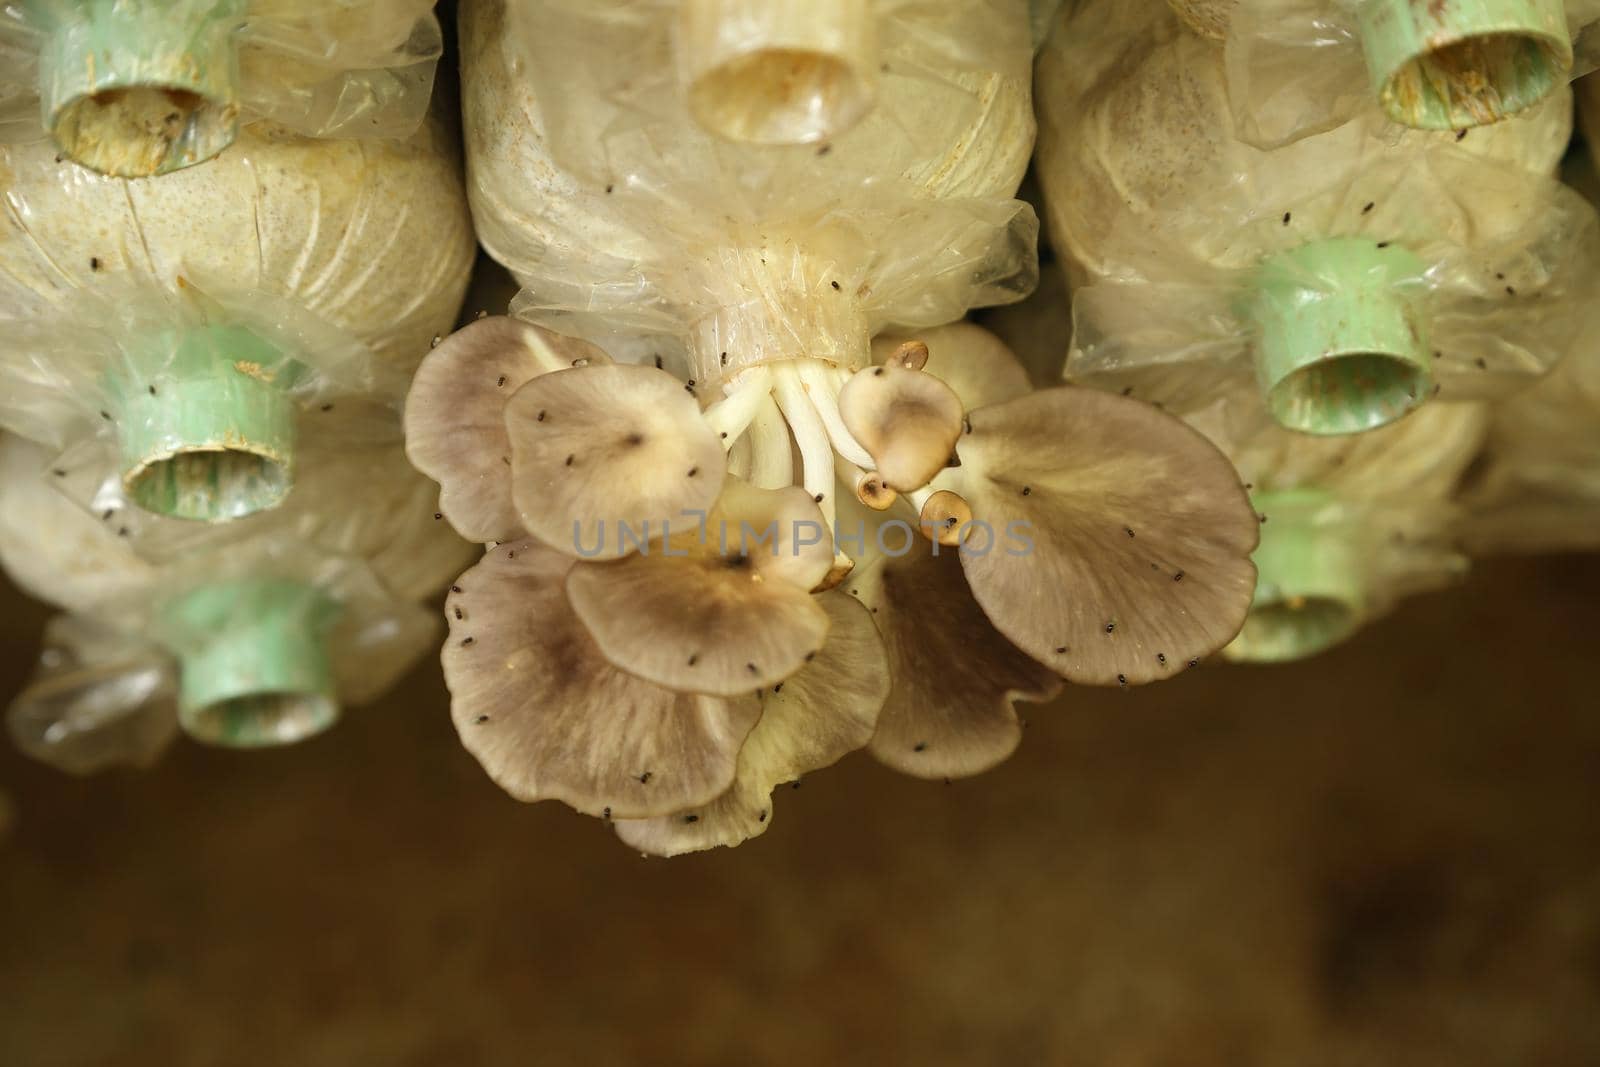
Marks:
<point>1350,526</point>
<point>1354,273</point>
<point>345,562</point>
<point>265,640</point>
<point>136,88</point>
<point>52,549</point>
<point>951,115</point>
<point>191,331</point>
<point>1539,487</point>
<point>160,416</point>
<point>99,698</point>
<point>71,542</point>
<point>630,227</point>
<point>1134,119</point>
<point>196,401</point>
<point>1396,280</point>
<point>1299,67</point>
<point>333,227</point>
<point>772,72</point>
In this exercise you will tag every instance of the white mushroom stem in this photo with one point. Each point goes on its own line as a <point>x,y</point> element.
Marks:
<point>919,497</point>
<point>739,458</point>
<point>771,461</point>
<point>816,450</point>
<point>824,382</point>
<point>742,398</point>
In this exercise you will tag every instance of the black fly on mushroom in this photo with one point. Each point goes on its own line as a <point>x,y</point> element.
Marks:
<point>694,596</point>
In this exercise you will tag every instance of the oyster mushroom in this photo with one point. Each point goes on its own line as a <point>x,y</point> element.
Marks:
<point>549,717</point>
<point>455,421</point>
<point>907,421</point>
<point>950,712</point>
<point>1118,559</point>
<point>809,721</point>
<point>599,451</point>
<point>135,90</point>
<point>690,613</point>
<point>719,608</point>
<point>1054,520</point>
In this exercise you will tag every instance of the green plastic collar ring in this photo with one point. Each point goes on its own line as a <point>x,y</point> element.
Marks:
<point>1454,64</point>
<point>134,88</point>
<point>254,661</point>
<point>206,425</point>
<point>1309,582</point>
<point>1340,347</point>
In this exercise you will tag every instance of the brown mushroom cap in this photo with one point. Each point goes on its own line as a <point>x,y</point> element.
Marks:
<point>910,354</point>
<point>455,416</point>
<point>550,719</point>
<point>597,450</point>
<point>727,612</point>
<point>1138,534</point>
<point>944,518</point>
<point>810,721</point>
<point>907,420</point>
<point>950,712</point>
<point>871,491</point>
<point>978,367</point>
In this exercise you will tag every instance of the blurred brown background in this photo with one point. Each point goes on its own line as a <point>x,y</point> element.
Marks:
<point>1388,855</point>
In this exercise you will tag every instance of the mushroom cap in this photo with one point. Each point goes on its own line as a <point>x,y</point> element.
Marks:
<point>1118,554</point>
<point>550,719</point>
<point>910,354</point>
<point>727,611</point>
<point>871,491</point>
<point>455,419</point>
<point>978,367</point>
<point>944,518</point>
<point>950,713</point>
<point>908,420</point>
<point>810,721</point>
<point>594,449</point>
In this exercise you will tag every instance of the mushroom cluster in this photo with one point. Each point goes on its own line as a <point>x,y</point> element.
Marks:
<point>696,593</point>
